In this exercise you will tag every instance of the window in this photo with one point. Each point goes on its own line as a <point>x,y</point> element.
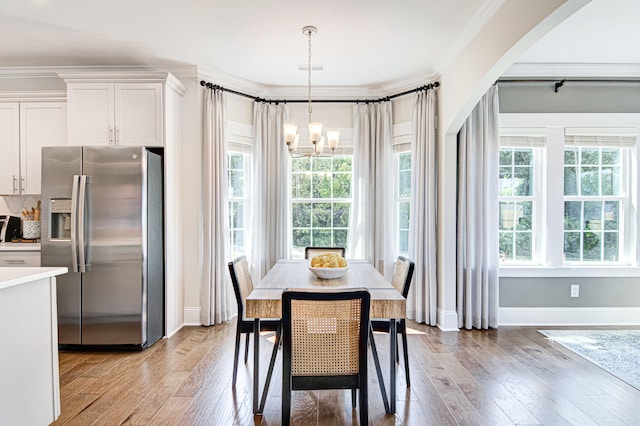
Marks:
<point>517,204</point>
<point>403,200</point>
<point>238,191</point>
<point>320,202</point>
<point>567,195</point>
<point>593,203</point>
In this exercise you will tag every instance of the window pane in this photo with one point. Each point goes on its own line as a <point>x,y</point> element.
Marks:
<point>589,181</point>
<point>572,246</point>
<point>506,157</point>
<point>341,215</point>
<point>342,185</point>
<point>611,247</point>
<point>236,161</point>
<point>610,180</point>
<point>321,237</point>
<point>301,215</point>
<point>321,164</point>
<point>524,246</point>
<point>301,185</point>
<point>321,185</point>
<point>404,184</point>
<point>570,156</point>
<point>524,212</point>
<point>589,156</point>
<point>591,246</point>
<point>340,238</point>
<point>342,164</point>
<point>507,216</point>
<point>405,161</point>
<point>592,215</point>
<point>321,216</point>
<point>611,156</point>
<point>404,242</point>
<point>572,215</point>
<point>236,214</point>
<point>523,181</point>
<point>236,183</point>
<point>403,217</point>
<point>506,181</point>
<point>522,157</point>
<point>570,181</point>
<point>611,213</point>
<point>506,246</point>
<point>301,238</point>
<point>301,164</point>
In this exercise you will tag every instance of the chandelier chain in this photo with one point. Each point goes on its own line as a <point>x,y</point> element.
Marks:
<point>309,33</point>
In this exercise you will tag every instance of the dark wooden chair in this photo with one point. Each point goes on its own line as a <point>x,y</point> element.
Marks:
<point>402,275</point>
<point>324,344</point>
<point>242,286</point>
<point>310,252</point>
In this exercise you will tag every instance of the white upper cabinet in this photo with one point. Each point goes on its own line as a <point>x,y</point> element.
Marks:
<point>25,127</point>
<point>10,142</point>
<point>112,113</point>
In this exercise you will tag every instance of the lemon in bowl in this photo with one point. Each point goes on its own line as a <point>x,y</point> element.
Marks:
<point>328,266</point>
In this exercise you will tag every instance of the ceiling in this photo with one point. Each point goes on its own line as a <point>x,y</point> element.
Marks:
<point>360,43</point>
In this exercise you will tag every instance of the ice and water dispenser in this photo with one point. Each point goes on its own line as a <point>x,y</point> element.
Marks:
<point>60,209</point>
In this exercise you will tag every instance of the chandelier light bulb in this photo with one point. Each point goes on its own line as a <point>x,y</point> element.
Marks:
<point>333,137</point>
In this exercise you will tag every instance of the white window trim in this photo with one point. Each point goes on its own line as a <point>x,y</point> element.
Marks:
<point>554,124</point>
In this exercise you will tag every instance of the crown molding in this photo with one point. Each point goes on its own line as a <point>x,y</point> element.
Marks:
<point>567,70</point>
<point>36,96</point>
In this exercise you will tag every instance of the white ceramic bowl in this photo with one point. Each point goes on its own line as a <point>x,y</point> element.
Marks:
<point>329,273</point>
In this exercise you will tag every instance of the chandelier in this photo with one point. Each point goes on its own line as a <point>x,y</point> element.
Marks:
<point>316,140</point>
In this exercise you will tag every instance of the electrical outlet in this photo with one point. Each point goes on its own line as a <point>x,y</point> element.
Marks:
<point>575,290</point>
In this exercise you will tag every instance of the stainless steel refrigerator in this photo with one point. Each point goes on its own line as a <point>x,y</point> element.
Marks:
<point>102,217</point>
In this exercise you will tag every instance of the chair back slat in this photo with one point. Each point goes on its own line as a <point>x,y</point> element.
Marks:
<point>241,279</point>
<point>310,252</point>
<point>402,275</point>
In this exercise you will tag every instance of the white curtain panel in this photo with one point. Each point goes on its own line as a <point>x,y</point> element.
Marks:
<point>477,221</point>
<point>270,239</point>
<point>371,232</point>
<point>422,298</point>
<point>216,291</point>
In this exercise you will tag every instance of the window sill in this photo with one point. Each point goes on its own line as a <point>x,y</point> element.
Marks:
<point>568,271</point>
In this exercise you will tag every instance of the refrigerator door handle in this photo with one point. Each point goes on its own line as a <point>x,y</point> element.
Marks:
<point>82,260</point>
<point>74,224</point>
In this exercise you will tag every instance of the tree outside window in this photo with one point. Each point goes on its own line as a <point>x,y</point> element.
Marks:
<point>320,202</point>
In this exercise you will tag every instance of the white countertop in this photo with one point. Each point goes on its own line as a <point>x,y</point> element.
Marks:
<point>11,276</point>
<point>19,246</point>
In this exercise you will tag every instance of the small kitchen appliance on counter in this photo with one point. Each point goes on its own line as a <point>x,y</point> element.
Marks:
<point>10,227</point>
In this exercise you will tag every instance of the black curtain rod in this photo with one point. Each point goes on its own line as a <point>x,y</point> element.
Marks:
<point>557,84</point>
<point>333,101</point>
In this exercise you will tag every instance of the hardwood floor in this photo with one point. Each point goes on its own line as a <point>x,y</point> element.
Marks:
<point>495,377</point>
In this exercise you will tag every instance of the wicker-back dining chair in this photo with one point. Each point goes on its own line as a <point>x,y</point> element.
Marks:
<point>324,344</point>
<point>242,286</point>
<point>310,252</point>
<point>402,275</point>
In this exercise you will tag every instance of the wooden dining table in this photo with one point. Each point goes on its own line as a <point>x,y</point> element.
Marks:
<point>265,301</point>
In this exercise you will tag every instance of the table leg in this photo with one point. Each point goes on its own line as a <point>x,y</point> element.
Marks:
<point>393,338</point>
<point>256,365</point>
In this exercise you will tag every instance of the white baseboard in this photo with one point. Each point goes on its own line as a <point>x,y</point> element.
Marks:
<point>568,316</point>
<point>192,316</point>
<point>447,320</point>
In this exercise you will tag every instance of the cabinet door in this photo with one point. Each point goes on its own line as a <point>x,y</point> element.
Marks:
<point>41,124</point>
<point>10,143</point>
<point>90,108</point>
<point>138,114</point>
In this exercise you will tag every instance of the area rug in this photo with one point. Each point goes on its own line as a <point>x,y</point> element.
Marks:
<point>616,351</point>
